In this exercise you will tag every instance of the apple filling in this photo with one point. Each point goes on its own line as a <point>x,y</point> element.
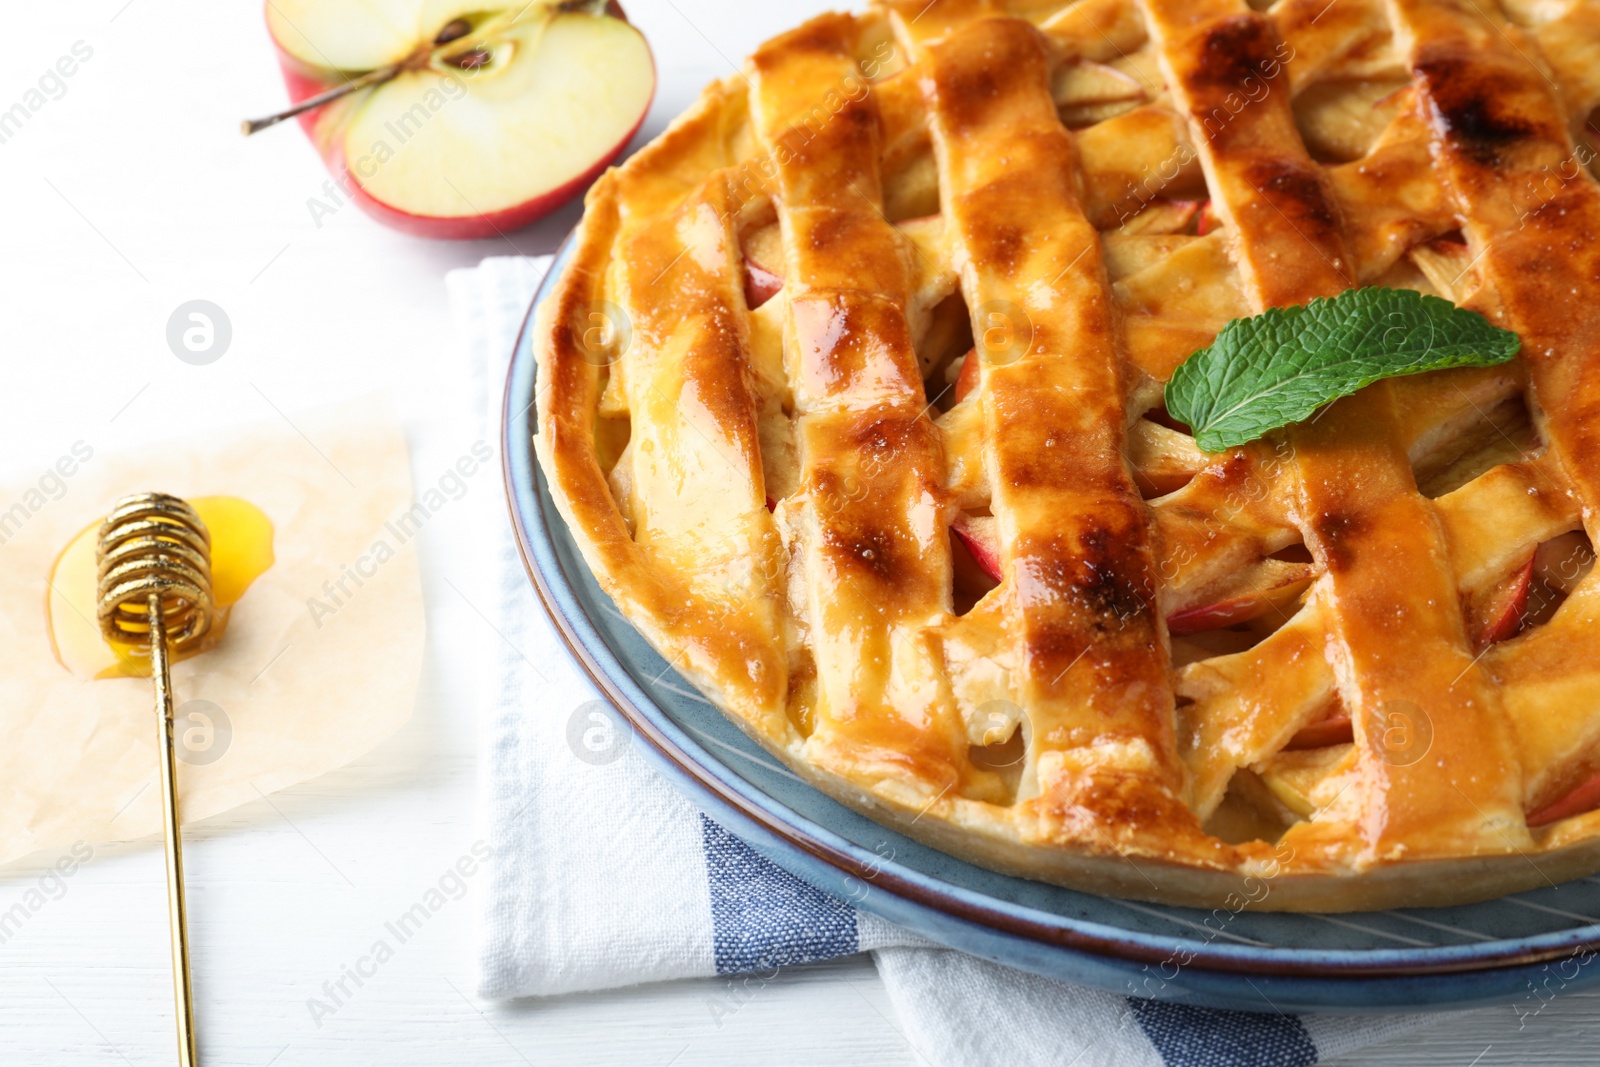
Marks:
<point>1341,121</point>
<point>1294,785</point>
<point>1163,459</point>
<point>762,248</point>
<point>1087,93</point>
<point>1161,217</point>
<point>975,559</point>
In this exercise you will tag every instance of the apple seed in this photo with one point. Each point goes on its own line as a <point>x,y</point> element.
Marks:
<point>472,59</point>
<point>454,29</point>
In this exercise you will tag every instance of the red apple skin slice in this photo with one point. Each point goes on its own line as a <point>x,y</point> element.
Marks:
<point>1233,610</point>
<point>980,537</point>
<point>1334,730</point>
<point>1208,219</point>
<point>1584,798</point>
<point>302,82</point>
<point>1505,616</point>
<point>760,284</point>
<point>1215,616</point>
<point>967,380</point>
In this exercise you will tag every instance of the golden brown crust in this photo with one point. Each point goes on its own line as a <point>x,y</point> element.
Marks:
<point>1148,702</point>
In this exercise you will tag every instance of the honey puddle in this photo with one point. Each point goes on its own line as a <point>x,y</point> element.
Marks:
<point>241,551</point>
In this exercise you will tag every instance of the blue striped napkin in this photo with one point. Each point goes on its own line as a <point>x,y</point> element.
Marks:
<point>604,876</point>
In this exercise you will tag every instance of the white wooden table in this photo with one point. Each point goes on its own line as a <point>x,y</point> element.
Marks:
<point>129,192</point>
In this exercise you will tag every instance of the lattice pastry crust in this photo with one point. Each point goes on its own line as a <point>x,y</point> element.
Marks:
<point>892,308</point>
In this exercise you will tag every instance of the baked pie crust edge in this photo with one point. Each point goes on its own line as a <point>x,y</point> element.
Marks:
<point>729,592</point>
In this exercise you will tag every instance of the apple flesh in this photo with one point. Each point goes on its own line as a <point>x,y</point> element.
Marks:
<point>1161,217</point>
<point>1083,83</point>
<point>1336,729</point>
<point>1446,262</point>
<point>980,535</point>
<point>1231,611</point>
<point>760,284</point>
<point>1586,797</point>
<point>477,122</point>
<point>763,251</point>
<point>1086,92</point>
<point>1500,620</point>
<point>1306,782</point>
<point>1502,613</point>
<point>967,380</point>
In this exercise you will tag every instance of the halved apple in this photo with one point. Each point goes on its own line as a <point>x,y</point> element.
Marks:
<point>470,121</point>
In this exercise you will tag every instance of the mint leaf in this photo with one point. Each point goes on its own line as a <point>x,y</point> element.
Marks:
<point>1280,366</point>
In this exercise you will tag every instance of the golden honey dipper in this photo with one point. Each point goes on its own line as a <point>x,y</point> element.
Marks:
<point>154,592</point>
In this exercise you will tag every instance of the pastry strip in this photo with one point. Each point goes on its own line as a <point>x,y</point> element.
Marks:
<point>1076,553</point>
<point>1405,672</point>
<point>1500,137</point>
<point>869,526</point>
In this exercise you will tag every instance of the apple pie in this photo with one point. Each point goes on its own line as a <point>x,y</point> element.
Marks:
<point>852,398</point>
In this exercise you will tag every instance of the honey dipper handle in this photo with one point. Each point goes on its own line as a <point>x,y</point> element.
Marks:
<point>182,991</point>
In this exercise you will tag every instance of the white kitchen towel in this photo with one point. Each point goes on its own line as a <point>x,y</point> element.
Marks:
<point>603,875</point>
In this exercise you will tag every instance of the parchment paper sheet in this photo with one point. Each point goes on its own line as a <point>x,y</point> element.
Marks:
<point>305,689</point>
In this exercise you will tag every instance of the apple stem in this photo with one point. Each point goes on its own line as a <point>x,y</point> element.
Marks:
<point>371,78</point>
<point>456,33</point>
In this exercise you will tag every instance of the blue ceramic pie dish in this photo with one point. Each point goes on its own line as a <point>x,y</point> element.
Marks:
<point>1524,947</point>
